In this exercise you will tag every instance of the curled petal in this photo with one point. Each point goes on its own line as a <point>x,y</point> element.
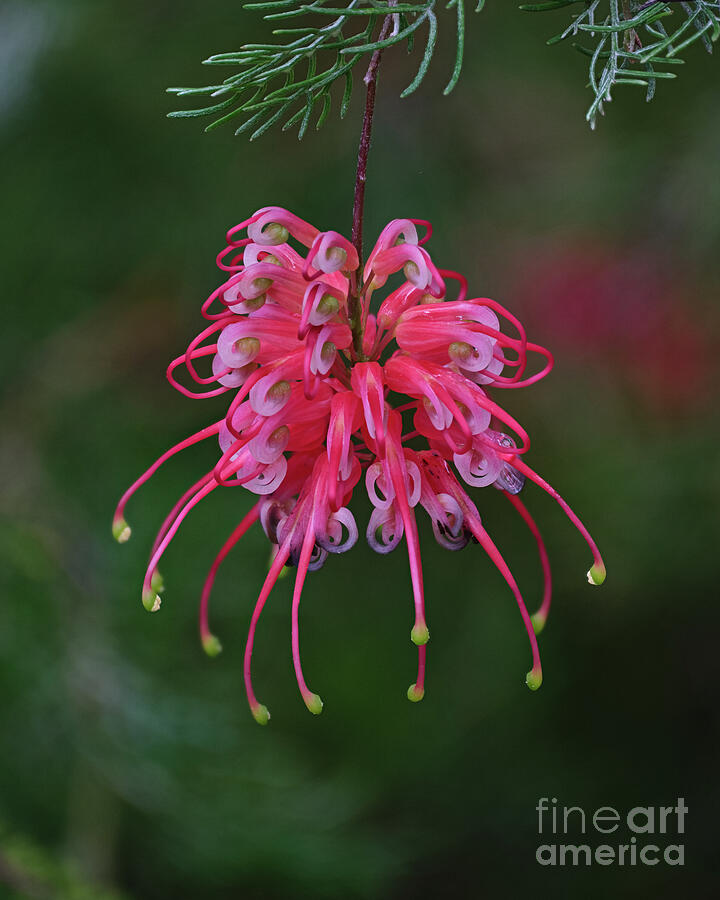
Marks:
<point>270,442</point>
<point>269,394</point>
<point>235,347</point>
<point>448,529</point>
<point>331,252</point>
<point>478,467</point>
<point>379,488</point>
<point>415,485</point>
<point>508,479</point>
<point>488,375</point>
<point>412,260</point>
<point>399,231</point>
<point>269,479</point>
<point>281,254</point>
<point>332,540</point>
<point>273,514</point>
<point>230,377</point>
<point>320,304</point>
<point>317,558</point>
<point>263,338</point>
<point>273,225</point>
<point>385,529</point>
<point>249,290</point>
<point>448,332</point>
<point>323,351</point>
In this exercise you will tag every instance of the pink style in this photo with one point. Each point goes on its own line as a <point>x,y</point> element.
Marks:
<point>325,396</point>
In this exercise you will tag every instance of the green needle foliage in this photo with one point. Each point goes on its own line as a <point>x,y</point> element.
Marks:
<point>292,81</point>
<point>633,41</point>
<point>289,81</point>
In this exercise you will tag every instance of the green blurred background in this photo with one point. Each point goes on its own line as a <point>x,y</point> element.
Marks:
<point>129,764</point>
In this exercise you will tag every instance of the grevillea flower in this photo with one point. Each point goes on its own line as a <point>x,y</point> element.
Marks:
<point>325,396</point>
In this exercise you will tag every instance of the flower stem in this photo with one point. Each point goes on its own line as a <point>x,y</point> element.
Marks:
<point>370,81</point>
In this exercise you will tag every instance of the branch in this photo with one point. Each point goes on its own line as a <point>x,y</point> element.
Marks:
<point>633,44</point>
<point>286,81</point>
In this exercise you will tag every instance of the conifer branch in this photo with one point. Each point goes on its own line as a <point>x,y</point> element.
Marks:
<point>632,42</point>
<point>285,82</point>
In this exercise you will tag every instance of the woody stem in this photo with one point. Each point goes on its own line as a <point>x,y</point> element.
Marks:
<point>354,306</point>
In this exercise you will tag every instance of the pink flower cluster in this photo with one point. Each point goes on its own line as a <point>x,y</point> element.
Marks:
<point>325,394</point>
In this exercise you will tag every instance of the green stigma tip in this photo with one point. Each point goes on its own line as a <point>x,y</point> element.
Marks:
<point>415,694</point>
<point>533,679</point>
<point>151,601</point>
<point>261,714</point>
<point>597,574</point>
<point>420,634</point>
<point>538,622</point>
<point>121,531</point>
<point>211,645</point>
<point>314,704</point>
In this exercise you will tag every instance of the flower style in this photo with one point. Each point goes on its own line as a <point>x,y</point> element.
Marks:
<point>325,394</point>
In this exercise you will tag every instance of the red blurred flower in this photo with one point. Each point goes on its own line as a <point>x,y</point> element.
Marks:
<point>626,312</point>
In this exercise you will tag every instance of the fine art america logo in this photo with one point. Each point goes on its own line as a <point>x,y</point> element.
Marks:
<point>644,835</point>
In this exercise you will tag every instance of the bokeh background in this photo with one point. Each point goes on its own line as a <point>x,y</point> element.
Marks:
<point>129,765</point>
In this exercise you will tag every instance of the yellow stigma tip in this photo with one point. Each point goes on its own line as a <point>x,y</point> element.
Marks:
<point>261,714</point>
<point>415,694</point>
<point>151,601</point>
<point>597,574</point>
<point>121,531</point>
<point>211,645</point>
<point>420,635</point>
<point>314,704</point>
<point>533,679</point>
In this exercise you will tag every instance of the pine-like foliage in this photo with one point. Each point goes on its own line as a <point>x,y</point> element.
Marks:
<point>633,41</point>
<point>286,82</point>
<point>292,81</point>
